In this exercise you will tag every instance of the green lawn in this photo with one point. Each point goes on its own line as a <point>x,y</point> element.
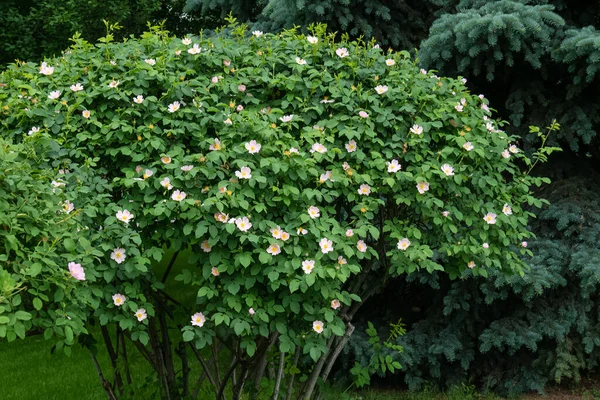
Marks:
<point>31,372</point>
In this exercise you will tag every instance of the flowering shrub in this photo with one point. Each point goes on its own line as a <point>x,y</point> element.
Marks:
<point>286,177</point>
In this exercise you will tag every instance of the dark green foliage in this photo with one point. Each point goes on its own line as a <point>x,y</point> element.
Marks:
<point>513,334</point>
<point>31,30</point>
<point>537,58</point>
<point>398,24</point>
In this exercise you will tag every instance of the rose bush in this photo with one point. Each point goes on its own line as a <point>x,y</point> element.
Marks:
<point>249,190</point>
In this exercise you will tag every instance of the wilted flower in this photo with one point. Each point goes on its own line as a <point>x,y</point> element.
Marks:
<point>301,231</point>
<point>490,218</point>
<point>147,174</point>
<point>471,264</point>
<point>141,314</point>
<point>335,304</point>
<point>118,255</point>
<point>215,271</point>
<point>76,271</point>
<point>186,168</point>
<point>403,244</point>
<point>118,299</point>
<point>459,107</point>
<point>507,210</point>
<point>113,84</point>
<point>241,88</point>
<point>244,173</point>
<point>205,246</point>
<point>221,217</point>
<point>215,146</point>
<point>505,154</point>
<point>326,245</point>
<point>342,260</point>
<point>308,266</point>
<point>198,319</point>
<point>67,206</point>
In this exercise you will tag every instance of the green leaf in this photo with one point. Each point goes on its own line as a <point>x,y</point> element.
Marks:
<point>37,303</point>
<point>189,335</point>
<point>23,315</point>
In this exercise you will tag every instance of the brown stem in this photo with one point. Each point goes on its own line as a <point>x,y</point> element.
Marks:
<point>262,363</point>
<point>121,338</point>
<point>216,364</point>
<point>279,376</point>
<point>338,349</point>
<point>226,378</point>
<point>204,366</point>
<point>155,344</point>
<point>105,384</point>
<point>112,355</point>
<point>185,369</point>
<point>170,266</point>
<point>291,382</point>
<point>166,349</point>
<point>310,384</point>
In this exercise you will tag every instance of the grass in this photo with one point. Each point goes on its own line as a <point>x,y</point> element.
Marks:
<point>31,372</point>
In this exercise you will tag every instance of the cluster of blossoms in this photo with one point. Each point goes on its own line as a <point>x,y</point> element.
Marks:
<point>417,130</point>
